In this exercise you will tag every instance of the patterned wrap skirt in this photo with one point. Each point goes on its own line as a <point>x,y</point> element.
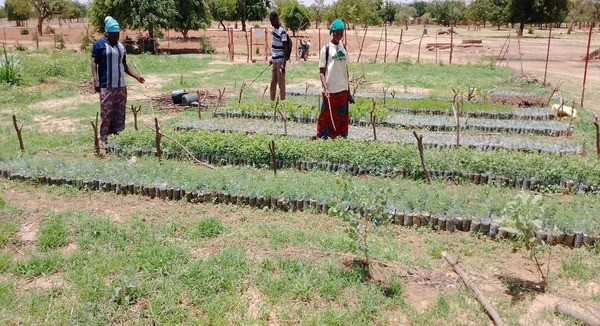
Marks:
<point>325,125</point>
<point>113,105</point>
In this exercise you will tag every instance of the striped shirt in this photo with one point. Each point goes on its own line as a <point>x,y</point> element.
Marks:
<point>279,36</point>
<point>111,63</point>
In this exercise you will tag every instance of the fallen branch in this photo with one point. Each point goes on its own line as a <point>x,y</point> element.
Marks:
<point>588,320</point>
<point>18,130</point>
<point>187,151</point>
<point>422,155</point>
<point>490,310</point>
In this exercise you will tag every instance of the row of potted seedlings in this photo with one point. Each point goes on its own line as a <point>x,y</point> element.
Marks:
<point>427,142</point>
<point>530,183</point>
<point>400,122</point>
<point>486,226</point>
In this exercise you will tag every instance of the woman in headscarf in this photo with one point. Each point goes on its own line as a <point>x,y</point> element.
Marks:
<point>333,69</point>
<point>108,67</point>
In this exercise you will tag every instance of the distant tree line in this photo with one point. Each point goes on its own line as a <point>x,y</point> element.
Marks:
<point>188,15</point>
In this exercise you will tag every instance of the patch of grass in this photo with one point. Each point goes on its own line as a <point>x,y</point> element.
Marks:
<point>53,233</point>
<point>158,256</point>
<point>207,227</point>
<point>39,263</point>
<point>8,229</point>
<point>5,261</point>
<point>581,265</point>
<point>7,295</point>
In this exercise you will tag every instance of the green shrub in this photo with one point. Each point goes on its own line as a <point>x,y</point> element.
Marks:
<point>59,42</point>
<point>24,31</point>
<point>530,30</point>
<point>54,69</point>
<point>20,47</point>
<point>205,46</point>
<point>86,42</point>
<point>10,69</point>
<point>208,227</point>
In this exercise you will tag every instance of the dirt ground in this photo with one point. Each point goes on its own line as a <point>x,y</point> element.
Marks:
<point>527,55</point>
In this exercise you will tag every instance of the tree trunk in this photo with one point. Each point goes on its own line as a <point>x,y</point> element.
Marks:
<point>185,33</point>
<point>521,27</point>
<point>40,25</point>
<point>221,24</point>
<point>243,25</point>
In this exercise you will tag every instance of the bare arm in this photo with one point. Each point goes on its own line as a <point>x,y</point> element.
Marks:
<point>324,81</point>
<point>130,72</point>
<point>95,75</point>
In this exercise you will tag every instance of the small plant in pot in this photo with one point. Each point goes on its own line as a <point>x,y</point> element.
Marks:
<point>522,217</point>
<point>372,211</point>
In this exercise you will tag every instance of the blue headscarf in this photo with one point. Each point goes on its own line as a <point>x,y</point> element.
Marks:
<point>110,24</point>
<point>336,25</point>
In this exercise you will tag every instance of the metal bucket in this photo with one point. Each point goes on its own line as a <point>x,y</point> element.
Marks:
<point>177,95</point>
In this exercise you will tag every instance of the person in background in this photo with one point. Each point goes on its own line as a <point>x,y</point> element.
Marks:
<point>109,66</point>
<point>333,70</point>
<point>278,45</point>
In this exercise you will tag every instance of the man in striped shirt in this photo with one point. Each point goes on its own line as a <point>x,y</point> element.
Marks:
<point>278,59</point>
<point>109,66</point>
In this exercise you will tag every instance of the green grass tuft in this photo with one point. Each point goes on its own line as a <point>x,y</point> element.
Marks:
<point>53,233</point>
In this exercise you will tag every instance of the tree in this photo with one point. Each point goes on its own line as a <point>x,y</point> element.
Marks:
<point>575,8</point>
<point>222,10</point>
<point>479,10</point>
<point>536,11</point>
<point>421,7</point>
<point>3,12</point>
<point>18,10</point>
<point>251,10</point>
<point>74,10</point>
<point>191,15</point>
<point>295,16</point>
<point>150,15</point>
<point>317,11</point>
<point>45,9</point>
<point>447,11</point>
<point>404,14</point>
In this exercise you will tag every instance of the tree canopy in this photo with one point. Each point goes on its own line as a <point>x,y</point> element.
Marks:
<point>191,15</point>
<point>295,16</point>
<point>536,11</point>
<point>252,10</point>
<point>45,9</point>
<point>18,10</point>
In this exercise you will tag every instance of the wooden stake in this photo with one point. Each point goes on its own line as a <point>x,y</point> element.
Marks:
<point>587,59</point>
<point>18,130</point>
<point>247,47</point>
<point>399,44</point>
<point>422,155</point>
<point>241,92</point>
<point>490,310</point>
<point>456,117</point>
<point>451,43</point>
<point>200,103</point>
<point>372,114</point>
<point>520,55</point>
<point>96,140</point>
<point>135,111</point>
<point>273,156</point>
<point>379,45</point>
<point>547,55</point>
<point>385,42</point>
<point>157,138</point>
<point>283,118</point>
<point>361,43</point>
<point>597,124</point>
<point>421,41</point>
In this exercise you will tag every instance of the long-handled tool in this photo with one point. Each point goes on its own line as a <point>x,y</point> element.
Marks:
<point>261,73</point>
<point>330,113</point>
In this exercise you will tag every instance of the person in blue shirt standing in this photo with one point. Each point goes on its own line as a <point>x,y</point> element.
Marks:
<point>109,66</point>
<point>278,44</point>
